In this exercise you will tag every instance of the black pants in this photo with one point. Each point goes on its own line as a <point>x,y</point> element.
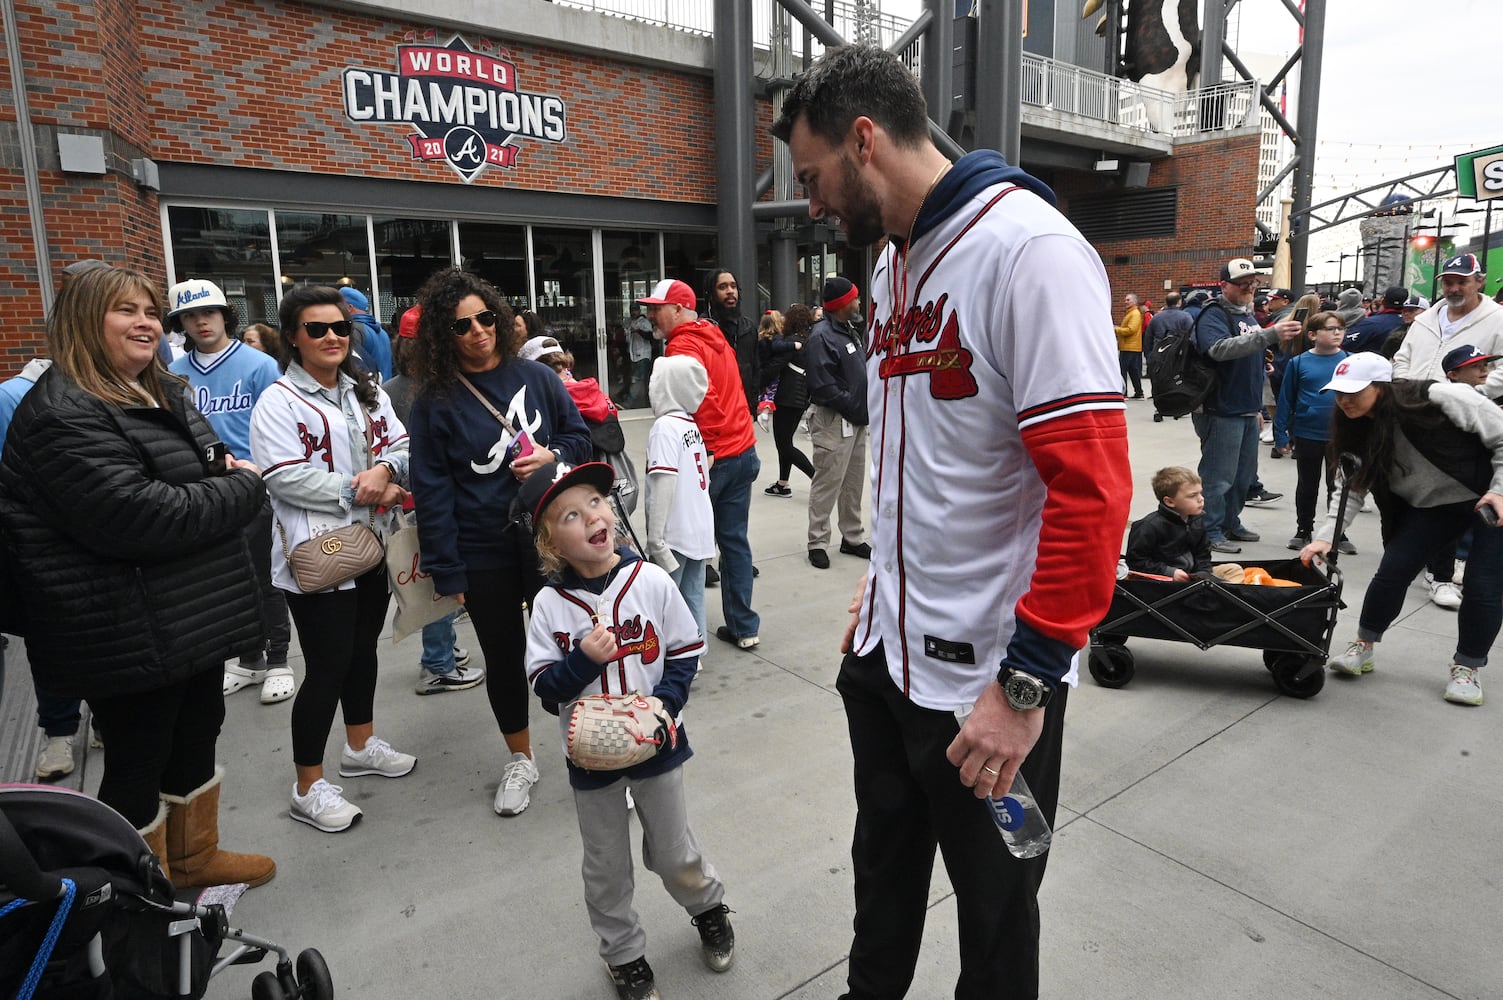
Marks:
<point>160,742</point>
<point>1309,457</point>
<point>494,601</point>
<point>337,630</point>
<point>908,800</point>
<point>273,600</point>
<point>784,426</point>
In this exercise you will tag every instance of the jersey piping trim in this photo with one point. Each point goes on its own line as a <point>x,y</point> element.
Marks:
<point>219,359</point>
<point>328,436</point>
<point>1076,403</point>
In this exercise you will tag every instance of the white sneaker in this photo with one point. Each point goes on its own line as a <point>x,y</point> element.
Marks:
<point>1464,688</point>
<point>1266,437</point>
<point>1443,593</point>
<point>1357,660</point>
<point>515,793</point>
<point>377,758</point>
<point>324,808</point>
<point>56,758</point>
<point>461,678</point>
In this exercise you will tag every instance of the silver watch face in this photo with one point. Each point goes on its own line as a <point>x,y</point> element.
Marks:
<point>1024,691</point>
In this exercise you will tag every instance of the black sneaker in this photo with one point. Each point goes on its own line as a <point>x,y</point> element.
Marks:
<point>1262,497</point>
<point>860,550</point>
<point>717,941</point>
<point>1346,548</point>
<point>819,559</point>
<point>778,490</point>
<point>634,981</point>
<point>712,578</point>
<point>1298,542</point>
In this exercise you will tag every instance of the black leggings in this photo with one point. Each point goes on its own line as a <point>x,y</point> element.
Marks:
<point>494,600</point>
<point>161,742</point>
<point>784,424</point>
<point>337,630</point>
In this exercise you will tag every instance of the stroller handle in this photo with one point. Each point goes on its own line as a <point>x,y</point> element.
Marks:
<point>18,869</point>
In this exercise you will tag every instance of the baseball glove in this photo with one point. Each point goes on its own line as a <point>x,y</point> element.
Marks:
<point>609,732</point>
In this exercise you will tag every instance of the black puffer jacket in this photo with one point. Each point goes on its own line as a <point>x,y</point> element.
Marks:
<point>130,557</point>
<point>782,361</point>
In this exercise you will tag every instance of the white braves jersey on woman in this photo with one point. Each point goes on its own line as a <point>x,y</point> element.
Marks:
<point>674,445</point>
<point>641,606</point>
<point>1000,322</point>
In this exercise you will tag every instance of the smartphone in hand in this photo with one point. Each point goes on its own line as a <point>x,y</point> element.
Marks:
<point>1300,314</point>
<point>1488,515</point>
<point>216,456</point>
<point>521,447</point>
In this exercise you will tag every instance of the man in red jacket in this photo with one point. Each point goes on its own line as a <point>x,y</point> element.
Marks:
<point>726,426</point>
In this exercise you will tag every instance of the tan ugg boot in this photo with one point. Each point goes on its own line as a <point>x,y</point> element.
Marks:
<point>155,835</point>
<point>193,843</point>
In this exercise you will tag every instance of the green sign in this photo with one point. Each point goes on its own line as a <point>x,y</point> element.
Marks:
<point>1479,174</point>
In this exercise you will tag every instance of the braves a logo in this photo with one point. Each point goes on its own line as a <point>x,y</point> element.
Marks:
<point>563,641</point>
<point>380,438</point>
<point>314,444</point>
<point>516,412</point>
<point>947,363</point>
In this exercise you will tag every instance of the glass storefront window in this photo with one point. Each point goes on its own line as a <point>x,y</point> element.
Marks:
<point>690,257</point>
<point>630,262</point>
<point>564,265</point>
<point>230,247</point>
<point>497,253</point>
<point>408,251</point>
<point>318,248</point>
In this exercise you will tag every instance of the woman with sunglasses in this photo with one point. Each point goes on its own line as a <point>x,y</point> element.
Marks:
<point>128,549</point>
<point>334,453</point>
<point>466,471</point>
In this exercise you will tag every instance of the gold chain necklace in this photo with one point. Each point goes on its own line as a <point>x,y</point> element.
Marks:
<point>900,302</point>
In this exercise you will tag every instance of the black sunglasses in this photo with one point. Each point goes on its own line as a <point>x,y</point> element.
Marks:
<point>462,326</point>
<point>318,330</point>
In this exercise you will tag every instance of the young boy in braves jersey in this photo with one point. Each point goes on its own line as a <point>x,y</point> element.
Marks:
<point>227,378</point>
<point>609,622</point>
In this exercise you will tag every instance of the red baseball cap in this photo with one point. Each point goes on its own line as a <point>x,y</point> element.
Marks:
<point>670,292</point>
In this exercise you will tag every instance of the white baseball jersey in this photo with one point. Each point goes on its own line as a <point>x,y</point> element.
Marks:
<point>1000,323</point>
<point>675,445</point>
<point>640,605</point>
<point>309,442</point>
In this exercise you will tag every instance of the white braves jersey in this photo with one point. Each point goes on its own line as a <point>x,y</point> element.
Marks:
<point>674,445</point>
<point>1007,325</point>
<point>308,445</point>
<point>641,606</point>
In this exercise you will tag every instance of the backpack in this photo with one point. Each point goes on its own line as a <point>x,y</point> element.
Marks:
<point>609,442</point>
<point>1182,377</point>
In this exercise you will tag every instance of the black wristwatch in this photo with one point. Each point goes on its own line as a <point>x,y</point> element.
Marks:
<point>1024,691</point>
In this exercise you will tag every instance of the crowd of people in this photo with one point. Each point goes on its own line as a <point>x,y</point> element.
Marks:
<point>172,507</point>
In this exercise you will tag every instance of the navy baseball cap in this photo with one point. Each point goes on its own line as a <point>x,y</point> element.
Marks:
<point>1465,355</point>
<point>546,483</point>
<point>1463,264</point>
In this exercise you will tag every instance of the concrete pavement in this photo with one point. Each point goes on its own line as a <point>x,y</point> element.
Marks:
<point>1216,840</point>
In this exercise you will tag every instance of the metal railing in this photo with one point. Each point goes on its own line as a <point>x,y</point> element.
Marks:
<point>852,18</point>
<point>1058,86</point>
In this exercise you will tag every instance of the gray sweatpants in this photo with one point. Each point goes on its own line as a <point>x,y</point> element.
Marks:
<point>839,476</point>
<point>668,848</point>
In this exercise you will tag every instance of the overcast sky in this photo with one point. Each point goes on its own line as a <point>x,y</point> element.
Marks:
<point>1398,95</point>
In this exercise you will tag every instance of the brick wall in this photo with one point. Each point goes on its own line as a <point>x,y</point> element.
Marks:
<point>1218,189</point>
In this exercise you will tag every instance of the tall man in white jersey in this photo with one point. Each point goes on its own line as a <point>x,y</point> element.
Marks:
<point>1000,487</point>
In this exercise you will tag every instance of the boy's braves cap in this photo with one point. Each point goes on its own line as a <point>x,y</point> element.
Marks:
<point>546,482</point>
<point>1358,372</point>
<point>1465,355</point>
<point>407,326</point>
<point>196,293</point>
<point>1463,264</point>
<point>1238,268</point>
<point>839,293</point>
<point>670,292</point>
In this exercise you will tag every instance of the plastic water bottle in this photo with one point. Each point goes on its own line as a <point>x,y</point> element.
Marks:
<point>1019,819</point>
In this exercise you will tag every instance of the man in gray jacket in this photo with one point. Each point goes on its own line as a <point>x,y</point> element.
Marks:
<point>836,359</point>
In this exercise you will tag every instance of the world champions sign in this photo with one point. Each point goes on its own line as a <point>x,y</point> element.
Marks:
<point>463,105</point>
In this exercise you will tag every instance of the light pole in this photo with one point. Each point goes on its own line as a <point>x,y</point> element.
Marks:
<point>1440,231</point>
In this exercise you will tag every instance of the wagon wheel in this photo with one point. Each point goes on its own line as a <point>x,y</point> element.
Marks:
<point>1287,669</point>
<point>266,986</point>
<point>314,982</point>
<point>1111,665</point>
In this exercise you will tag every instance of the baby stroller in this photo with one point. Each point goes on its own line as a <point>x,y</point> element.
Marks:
<point>85,912</point>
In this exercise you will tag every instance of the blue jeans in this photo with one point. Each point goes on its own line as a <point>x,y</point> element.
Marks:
<point>731,481</point>
<point>1228,465</point>
<point>690,577</point>
<point>438,645</point>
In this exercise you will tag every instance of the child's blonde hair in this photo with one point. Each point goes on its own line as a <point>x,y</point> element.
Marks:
<point>1168,480</point>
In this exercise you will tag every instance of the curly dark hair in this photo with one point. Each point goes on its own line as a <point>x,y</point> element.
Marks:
<point>798,319</point>
<point>290,318</point>
<point>434,361</point>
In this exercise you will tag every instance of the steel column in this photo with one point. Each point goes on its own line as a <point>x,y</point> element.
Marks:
<point>1212,40</point>
<point>735,144</point>
<point>999,77</point>
<point>1308,116</point>
<point>936,72</point>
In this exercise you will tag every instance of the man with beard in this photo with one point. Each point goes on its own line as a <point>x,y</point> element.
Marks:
<point>724,298</point>
<point>1463,317</point>
<point>999,496</point>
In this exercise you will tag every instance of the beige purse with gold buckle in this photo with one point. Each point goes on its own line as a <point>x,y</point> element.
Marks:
<point>333,557</point>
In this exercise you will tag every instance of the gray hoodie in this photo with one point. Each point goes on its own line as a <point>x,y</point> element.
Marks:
<point>678,385</point>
